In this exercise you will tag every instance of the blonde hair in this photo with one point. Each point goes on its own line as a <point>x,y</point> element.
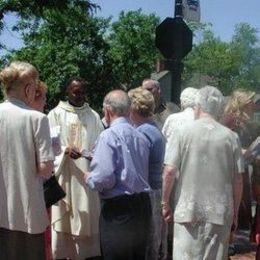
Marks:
<point>142,101</point>
<point>237,103</point>
<point>41,89</point>
<point>13,77</point>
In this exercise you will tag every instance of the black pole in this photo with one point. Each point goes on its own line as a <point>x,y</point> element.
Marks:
<point>174,40</point>
<point>176,65</point>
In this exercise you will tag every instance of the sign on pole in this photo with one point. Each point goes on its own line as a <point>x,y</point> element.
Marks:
<point>173,38</point>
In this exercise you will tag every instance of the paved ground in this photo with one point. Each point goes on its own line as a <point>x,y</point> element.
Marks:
<point>244,249</point>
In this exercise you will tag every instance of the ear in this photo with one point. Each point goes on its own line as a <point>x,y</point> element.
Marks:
<point>197,111</point>
<point>29,93</point>
<point>27,90</point>
<point>106,113</point>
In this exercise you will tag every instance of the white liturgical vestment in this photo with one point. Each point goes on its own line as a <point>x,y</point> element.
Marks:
<point>78,213</point>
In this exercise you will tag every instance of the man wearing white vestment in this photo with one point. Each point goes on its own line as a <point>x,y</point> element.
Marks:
<point>75,232</point>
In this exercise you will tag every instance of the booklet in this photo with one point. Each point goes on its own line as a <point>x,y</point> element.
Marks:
<point>55,138</point>
<point>87,154</point>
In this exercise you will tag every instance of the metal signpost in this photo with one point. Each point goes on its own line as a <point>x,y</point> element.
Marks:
<point>174,40</point>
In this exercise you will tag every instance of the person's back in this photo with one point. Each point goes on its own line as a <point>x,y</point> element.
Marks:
<point>208,187</point>
<point>175,122</point>
<point>26,158</point>
<point>119,171</point>
<point>206,176</point>
<point>180,119</point>
<point>141,116</point>
<point>127,146</point>
<point>157,145</point>
<point>20,128</point>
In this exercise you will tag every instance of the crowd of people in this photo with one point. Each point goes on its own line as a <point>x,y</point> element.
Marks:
<point>149,181</point>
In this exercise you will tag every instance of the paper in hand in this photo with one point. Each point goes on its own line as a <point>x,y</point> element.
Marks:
<point>86,154</point>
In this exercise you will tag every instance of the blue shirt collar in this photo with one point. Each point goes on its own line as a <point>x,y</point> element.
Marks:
<point>119,120</point>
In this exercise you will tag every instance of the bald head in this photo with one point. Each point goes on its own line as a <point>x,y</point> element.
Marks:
<point>118,102</point>
<point>154,87</point>
<point>151,85</point>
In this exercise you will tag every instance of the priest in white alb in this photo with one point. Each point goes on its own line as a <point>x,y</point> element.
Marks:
<point>75,231</point>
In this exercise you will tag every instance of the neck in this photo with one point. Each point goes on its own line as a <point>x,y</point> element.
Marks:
<point>76,104</point>
<point>141,120</point>
<point>18,95</point>
<point>205,115</point>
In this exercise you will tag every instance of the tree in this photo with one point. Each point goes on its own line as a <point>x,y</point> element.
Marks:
<point>132,47</point>
<point>210,57</point>
<point>227,65</point>
<point>64,38</point>
<point>65,44</point>
<point>245,47</point>
<point>35,10</point>
<point>73,42</point>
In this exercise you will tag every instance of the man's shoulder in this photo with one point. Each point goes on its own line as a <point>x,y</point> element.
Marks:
<point>181,118</point>
<point>149,129</point>
<point>34,116</point>
<point>175,116</point>
<point>220,128</point>
<point>125,130</point>
<point>56,109</point>
<point>94,113</point>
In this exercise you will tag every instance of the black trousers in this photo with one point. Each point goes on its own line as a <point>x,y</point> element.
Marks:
<point>17,245</point>
<point>124,225</point>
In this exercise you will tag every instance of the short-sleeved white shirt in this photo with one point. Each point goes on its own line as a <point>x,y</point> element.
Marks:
<point>24,143</point>
<point>208,155</point>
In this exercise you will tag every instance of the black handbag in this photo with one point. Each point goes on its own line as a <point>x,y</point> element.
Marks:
<point>53,192</point>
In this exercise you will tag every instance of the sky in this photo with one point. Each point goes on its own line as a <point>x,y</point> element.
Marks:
<point>222,14</point>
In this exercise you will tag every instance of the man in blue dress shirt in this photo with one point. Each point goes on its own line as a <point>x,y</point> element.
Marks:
<point>119,171</point>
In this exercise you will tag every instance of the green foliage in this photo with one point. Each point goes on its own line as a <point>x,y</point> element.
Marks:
<point>64,39</point>
<point>133,50</point>
<point>36,8</point>
<point>245,47</point>
<point>227,65</point>
<point>72,42</point>
<point>64,45</point>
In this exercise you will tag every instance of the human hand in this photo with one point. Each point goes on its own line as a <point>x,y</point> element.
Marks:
<point>87,154</point>
<point>248,155</point>
<point>73,153</point>
<point>86,175</point>
<point>166,212</point>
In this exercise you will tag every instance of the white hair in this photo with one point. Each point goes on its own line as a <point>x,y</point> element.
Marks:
<point>188,97</point>
<point>210,100</point>
<point>118,102</point>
